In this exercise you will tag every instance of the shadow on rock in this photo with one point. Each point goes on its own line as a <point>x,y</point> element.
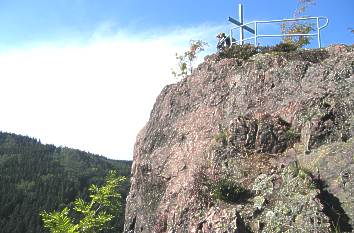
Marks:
<point>333,209</point>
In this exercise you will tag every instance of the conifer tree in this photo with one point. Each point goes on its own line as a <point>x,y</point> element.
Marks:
<point>93,215</point>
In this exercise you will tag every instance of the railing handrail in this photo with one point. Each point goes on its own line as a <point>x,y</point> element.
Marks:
<point>256,35</point>
<point>286,20</point>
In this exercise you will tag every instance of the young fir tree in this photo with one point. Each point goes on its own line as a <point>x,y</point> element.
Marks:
<point>93,215</point>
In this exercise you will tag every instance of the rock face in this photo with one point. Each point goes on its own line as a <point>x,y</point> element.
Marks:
<point>257,145</point>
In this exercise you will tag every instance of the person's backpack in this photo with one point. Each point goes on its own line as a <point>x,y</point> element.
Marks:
<point>224,43</point>
<point>221,43</point>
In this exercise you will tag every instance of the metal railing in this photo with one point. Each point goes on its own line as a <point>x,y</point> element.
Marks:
<point>256,23</point>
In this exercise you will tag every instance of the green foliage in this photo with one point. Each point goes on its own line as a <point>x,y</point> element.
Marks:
<point>185,61</point>
<point>281,47</point>
<point>36,177</point>
<point>304,173</point>
<point>290,51</point>
<point>243,52</point>
<point>59,222</point>
<point>222,136</point>
<point>291,135</point>
<point>95,214</point>
<point>298,28</point>
<point>297,170</point>
<point>228,191</point>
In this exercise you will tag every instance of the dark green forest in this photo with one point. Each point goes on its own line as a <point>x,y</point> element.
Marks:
<point>36,177</point>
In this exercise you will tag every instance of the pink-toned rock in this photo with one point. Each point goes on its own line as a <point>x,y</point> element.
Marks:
<point>259,107</point>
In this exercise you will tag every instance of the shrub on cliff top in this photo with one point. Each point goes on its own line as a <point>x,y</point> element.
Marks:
<point>290,51</point>
<point>242,52</point>
<point>228,191</point>
<point>281,47</point>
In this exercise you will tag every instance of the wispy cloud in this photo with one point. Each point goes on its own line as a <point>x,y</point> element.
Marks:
<point>94,96</point>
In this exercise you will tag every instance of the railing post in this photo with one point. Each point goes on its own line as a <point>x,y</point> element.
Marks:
<point>255,33</point>
<point>231,40</point>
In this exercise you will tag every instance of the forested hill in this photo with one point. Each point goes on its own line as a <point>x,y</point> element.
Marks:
<point>36,177</point>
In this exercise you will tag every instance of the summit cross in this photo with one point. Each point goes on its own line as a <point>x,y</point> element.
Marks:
<point>240,23</point>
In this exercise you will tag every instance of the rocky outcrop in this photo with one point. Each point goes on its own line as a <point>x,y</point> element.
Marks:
<point>257,145</point>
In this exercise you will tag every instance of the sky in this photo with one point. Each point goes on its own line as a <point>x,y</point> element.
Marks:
<point>85,73</point>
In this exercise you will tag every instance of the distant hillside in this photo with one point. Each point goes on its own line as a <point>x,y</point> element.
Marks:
<point>36,177</point>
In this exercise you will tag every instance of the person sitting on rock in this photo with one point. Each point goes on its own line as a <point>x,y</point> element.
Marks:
<point>224,41</point>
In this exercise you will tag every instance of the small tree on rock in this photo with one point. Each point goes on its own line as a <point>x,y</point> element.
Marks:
<point>185,61</point>
<point>298,28</point>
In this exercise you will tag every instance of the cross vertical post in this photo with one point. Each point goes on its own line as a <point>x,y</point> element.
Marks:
<point>240,15</point>
<point>318,33</point>
<point>240,25</point>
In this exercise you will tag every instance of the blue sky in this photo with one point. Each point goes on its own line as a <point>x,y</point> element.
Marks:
<point>86,73</point>
<point>33,21</point>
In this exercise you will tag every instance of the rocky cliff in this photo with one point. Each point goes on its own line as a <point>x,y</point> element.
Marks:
<point>256,144</point>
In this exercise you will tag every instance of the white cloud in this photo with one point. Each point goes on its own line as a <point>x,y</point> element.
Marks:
<point>94,96</point>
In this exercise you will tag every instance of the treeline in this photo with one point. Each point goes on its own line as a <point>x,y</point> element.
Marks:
<point>36,177</point>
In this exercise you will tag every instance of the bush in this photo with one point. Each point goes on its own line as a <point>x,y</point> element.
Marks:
<point>229,191</point>
<point>296,28</point>
<point>281,47</point>
<point>292,136</point>
<point>221,137</point>
<point>243,52</point>
<point>288,50</point>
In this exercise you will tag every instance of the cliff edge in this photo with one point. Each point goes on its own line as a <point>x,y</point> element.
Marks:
<point>257,144</point>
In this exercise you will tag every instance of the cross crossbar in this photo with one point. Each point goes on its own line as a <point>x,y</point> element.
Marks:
<point>234,21</point>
